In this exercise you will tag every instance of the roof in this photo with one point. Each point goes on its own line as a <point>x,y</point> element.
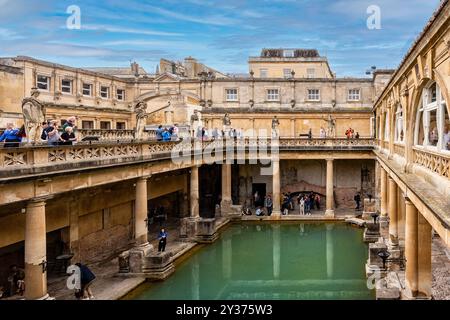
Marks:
<point>119,72</point>
<point>298,53</point>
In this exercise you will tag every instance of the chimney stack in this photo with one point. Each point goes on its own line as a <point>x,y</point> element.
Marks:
<point>135,69</point>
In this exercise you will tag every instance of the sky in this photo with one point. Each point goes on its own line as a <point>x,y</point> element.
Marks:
<point>221,34</point>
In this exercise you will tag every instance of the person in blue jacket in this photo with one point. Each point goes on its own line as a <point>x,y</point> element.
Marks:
<point>166,135</point>
<point>11,136</point>
<point>162,237</point>
<point>87,278</point>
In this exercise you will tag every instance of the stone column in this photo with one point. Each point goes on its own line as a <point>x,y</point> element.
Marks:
<point>411,249</point>
<point>393,214</point>
<point>226,189</point>
<point>424,258</point>
<point>401,217</point>
<point>195,210</point>
<point>330,189</point>
<point>35,251</point>
<point>276,188</point>
<point>330,251</point>
<point>140,215</point>
<point>276,253</point>
<point>384,202</point>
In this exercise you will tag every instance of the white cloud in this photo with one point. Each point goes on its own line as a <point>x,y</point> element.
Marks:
<point>118,29</point>
<point>6,34</point>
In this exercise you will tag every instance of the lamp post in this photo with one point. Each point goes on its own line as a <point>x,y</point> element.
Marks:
<point>375,216</point>
<point>384,255</point>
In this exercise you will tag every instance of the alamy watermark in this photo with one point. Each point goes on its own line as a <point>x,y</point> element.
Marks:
<point>74,280</point>
<point>374,19</point>
<point>73,22</point>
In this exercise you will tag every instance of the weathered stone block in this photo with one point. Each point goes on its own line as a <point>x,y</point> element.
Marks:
<point>206,231</point>
<point>371,232</point>
<point>158,266</point>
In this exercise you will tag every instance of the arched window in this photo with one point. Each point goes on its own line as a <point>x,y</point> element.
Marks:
<point>387,129</point>
<point>432,121</point>
<point>399,127</point>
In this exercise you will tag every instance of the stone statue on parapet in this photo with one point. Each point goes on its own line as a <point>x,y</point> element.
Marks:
<point>331,130</point>
<point>141,119</point>
<point>275,125</point>
<point>226,120</point>
<point>33,116</point>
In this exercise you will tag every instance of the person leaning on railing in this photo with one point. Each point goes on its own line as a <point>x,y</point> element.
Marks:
<point>68,136</point>
<point>12,136</point>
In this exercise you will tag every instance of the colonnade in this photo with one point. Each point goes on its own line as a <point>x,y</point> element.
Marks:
<point>408,231</point>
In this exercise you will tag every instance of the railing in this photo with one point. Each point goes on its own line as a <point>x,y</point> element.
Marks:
<point>324,142</point>
<point>112,135</point>
<point>433,161</point>
<point>399,149</point>
<point>38,159</point>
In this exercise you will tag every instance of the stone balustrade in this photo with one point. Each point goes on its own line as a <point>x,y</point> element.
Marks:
<point>399,149</point>
<point>26,159</point>
<point>436,162</point>
<point>113,135</point>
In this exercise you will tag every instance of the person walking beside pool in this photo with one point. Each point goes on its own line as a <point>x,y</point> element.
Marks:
<point>357,199</point>
<point>302,206</point>
<point>307,205</point>
<point>268,203</point>
<point>162,237</point>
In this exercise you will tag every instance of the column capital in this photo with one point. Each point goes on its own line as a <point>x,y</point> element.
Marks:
<point>38,201</point>
<point>144,178</point>
<point>329,159</point>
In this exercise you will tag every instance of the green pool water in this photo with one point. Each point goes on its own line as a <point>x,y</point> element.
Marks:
<point>271,261</point>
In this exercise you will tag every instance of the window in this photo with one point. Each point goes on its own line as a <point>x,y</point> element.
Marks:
<point>432,120</point>
<point>66,86</point>
<point>387,127</point>
<point>289,53</point>
<point>87,89</point>
<point>120,94</point>
<point>399,129</point>
<point>354,95</point>
<point>263,73</point>
<point>120,126</point>
<point>104,92</point>
<point>273,95</point>
<point>287,73</point>
<point>105,125</point>
<point>313,94</point>
<point>43,82</point>
<point>311,73</point>
<point>231,94</point>
<point>85,124</point>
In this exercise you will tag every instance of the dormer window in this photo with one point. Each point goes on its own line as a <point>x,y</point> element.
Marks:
<point>289,53</point>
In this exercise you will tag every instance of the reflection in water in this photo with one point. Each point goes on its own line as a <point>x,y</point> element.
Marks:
<point>272,261</point>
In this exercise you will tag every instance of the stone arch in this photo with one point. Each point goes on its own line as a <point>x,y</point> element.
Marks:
<point>444,89</point>
<point>416,99</point>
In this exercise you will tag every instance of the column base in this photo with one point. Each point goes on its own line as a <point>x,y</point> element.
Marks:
<point>329,213</point>
<point>407,294</point>
<point>384,221</point>
<point>225,207</point>
<point>276,214</point>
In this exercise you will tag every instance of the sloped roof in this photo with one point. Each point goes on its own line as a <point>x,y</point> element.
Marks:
<point>119,72</point>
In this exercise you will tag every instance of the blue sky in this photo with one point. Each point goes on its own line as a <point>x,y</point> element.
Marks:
<point>221,34</point>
